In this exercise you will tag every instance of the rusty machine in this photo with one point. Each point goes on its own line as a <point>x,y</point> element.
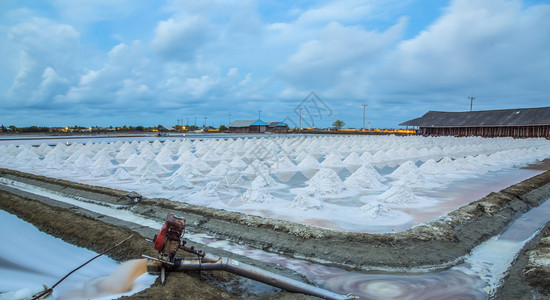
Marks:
<point>168,241</point>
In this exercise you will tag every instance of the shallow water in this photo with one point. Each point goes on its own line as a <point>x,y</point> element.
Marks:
<point>46,259</point>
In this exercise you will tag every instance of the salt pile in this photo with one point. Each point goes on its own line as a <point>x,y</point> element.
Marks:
<point>257,167</point>
<point>147,153</point>
<point>325,182</point>
<point>399,193</point>
<point>263,180</point>
<point>238,163</point>
<point>309,162</point>
<point>165,157</point>
<point>189,172</point>
<point>201,165</point>
<point>211,189</point>
<point>284,165</point>
<point>365,177</point>
<point>408,172</point>
<point>151,166</point>
<point>258,195</point>
<point>134,161</point>
<point>446,165</point>
<point>353,159</point>
<point>222,169</point>
<point>332,160</point>
<point>177,182</point>
<point>122,175</point>
<point>376,210</point>
<point>149,177</point>
<point>430,167</point>
<point>307,199</point>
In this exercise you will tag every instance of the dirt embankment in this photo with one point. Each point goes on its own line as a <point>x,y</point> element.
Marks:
<point>437,244</point>
<point>529,275</point>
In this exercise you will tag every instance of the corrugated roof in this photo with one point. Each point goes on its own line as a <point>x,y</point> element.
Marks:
<point>259,123</point>
<point>247,123</point>
<point>241,123</point>
<point>485,118</point>
<point>277,124</point>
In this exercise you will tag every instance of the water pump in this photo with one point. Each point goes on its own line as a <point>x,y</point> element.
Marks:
<point>168,241</point>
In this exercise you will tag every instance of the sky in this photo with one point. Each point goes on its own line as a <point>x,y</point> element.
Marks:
<point>308,63</point>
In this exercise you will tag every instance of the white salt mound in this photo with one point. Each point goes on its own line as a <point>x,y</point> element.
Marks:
<point>152,166</point>
<point>284,164</point>
<point>376,210</point>
<point>262,180</point>
<point>177,182</point>
<point>221,169</point>
<point>332,160</point>
<point>404,169</point>
<point>326,181</point>
<point>134,161</point>
<point>122,175</point>
<point>256,167</point>
<point>149,177</point>
<point>365,177</point>
<point>353,159</point>
<point>189,172</point>
<point>408,172</point>
<point>211,189</point>
<point>307,199</point>
<point>201,165</point>
<point>399,193</point>
<point>430,167</point>
<point>238,163</point>
<point>257,195</point>
<point>309,162</point>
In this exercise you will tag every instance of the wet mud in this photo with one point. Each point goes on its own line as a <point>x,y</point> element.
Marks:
<point>529,275</point>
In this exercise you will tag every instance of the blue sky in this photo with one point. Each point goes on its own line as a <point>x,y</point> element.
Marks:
<point>102,62</point>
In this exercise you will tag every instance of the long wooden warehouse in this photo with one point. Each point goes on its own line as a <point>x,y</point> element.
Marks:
<point>521,122</point>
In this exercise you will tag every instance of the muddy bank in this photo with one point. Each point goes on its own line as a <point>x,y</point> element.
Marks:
<point>529,275</point>
<point>71,225</point>
<point>437,244</point>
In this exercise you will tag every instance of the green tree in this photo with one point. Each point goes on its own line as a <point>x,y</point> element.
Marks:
<point>223,128</point>
<point>338,124</point>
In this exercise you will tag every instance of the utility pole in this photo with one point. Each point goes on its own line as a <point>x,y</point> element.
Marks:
<point>205,121</point>
<point>300,118</point>
<point>259,114</point>
<point>364,105</point>
<point>228,119</point>
<point>472,98</point>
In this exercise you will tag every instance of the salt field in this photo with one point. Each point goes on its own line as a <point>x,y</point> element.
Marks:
<point>350,183</point>
<point>371,184</point>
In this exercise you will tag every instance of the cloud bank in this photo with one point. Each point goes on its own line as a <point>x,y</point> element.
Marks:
<point>148,64</point>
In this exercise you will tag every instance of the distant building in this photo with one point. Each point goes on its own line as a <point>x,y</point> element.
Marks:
<point>248,126</point>
<point>521,122</point>
<point>277,127</point>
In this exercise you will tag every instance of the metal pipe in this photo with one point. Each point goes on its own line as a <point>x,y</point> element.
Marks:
<point>210,263</point>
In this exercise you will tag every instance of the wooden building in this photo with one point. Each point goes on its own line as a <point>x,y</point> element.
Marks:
<point>277,127</point>
<point>248,126</point>
<point>521,122</point>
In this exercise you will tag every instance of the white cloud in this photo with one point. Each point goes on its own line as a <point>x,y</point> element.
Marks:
<point>179,40</point>
<point>341,58</point>
<point>476,45</point>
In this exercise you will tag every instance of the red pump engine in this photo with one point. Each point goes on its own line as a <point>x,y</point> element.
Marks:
<point>167,241</point>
